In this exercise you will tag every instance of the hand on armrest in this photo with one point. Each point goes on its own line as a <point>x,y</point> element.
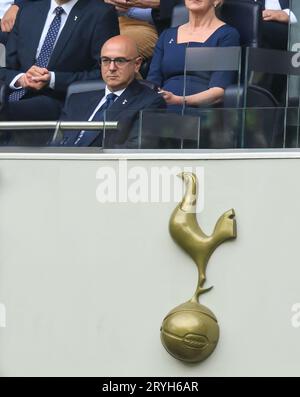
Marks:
<point>275,15</point>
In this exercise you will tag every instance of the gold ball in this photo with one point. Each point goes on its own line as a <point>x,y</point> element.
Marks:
<point>190,332</point>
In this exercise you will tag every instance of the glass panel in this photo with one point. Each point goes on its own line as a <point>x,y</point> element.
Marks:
<point>264,127</point>
<point>294,45</point>
<point>162,129</point>
<point>56,134</point>
<point>126,134</point>
<point>208,67</point>
<point>26,137</point>
<point>220,129</point>
<point>215,128</point>
<point>294,28</point>
<point>268,69</point>
<point>292,127</point>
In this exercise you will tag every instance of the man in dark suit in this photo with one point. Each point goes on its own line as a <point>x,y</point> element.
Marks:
<point>53,43</point>
<point>122,100</point>
<point>276,17</point>
<point>275,30</point>
<point>8,13</point>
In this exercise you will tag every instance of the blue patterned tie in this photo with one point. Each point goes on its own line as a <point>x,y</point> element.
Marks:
<point>86,136</point>
<point>46,50</point>
<point>110,99</point>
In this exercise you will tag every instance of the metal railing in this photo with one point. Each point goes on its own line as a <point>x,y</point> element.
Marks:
<point>58,126</point>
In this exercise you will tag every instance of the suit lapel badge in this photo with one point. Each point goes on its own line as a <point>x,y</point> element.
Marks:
<point>124,102</point>
<point>75,18</point>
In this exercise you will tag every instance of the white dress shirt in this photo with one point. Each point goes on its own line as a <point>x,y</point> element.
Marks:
<point>275,5</point>
<point>67,7</point>
<point>103,100</point>
<point>4,6</point>
<point>143,14</point>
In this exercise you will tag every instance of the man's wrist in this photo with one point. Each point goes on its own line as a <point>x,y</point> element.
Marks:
<point>284,16</point>
<point>291,16</point>
<point>15,84</point>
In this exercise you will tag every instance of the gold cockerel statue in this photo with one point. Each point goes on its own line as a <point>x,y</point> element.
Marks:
<point>185,230</point>
<point>190,332</point>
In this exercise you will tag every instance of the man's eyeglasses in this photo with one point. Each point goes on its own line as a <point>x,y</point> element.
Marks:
<point>120,61</point>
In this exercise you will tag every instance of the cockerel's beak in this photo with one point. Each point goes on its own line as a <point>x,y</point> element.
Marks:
<point>181,175</point>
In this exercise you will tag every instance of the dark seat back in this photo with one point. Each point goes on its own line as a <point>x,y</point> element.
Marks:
<point>264,121</point>
<point>274,62</point>
<point>84,86</point>
<point>245,16</point>
<point>265,60</point>
<point>180,15</point>
<point>95,85</point>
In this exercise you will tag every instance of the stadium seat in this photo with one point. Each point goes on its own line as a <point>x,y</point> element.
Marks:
<point>180,15</point>
<point>277,62</point>
<point>84,86</point>
<point>245,16</point>
<point>95,85</point>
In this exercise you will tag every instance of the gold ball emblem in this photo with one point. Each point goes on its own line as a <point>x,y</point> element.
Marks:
<point>190,332</point>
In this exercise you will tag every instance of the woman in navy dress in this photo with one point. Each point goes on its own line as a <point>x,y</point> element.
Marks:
<point>203,29</point>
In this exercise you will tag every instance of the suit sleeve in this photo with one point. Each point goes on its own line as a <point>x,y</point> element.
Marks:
<point>65,113</point>
<point>107,26</point>
<point>12,69</point>
<point>22,2</point>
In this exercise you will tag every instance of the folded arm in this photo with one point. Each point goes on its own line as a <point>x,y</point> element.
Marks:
<point>208,97</point>
<point>282,16</point>
<point>134,3</point>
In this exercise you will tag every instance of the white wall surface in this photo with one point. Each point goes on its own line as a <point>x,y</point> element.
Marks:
<point>86,285</point>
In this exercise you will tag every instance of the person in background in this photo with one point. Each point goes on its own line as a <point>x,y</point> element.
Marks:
<point>203,29</point>
<point>278,11</point>
<point>8,14</point>
<point>276,18</point>
<point>135,21</point>
<point>43,58</point>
